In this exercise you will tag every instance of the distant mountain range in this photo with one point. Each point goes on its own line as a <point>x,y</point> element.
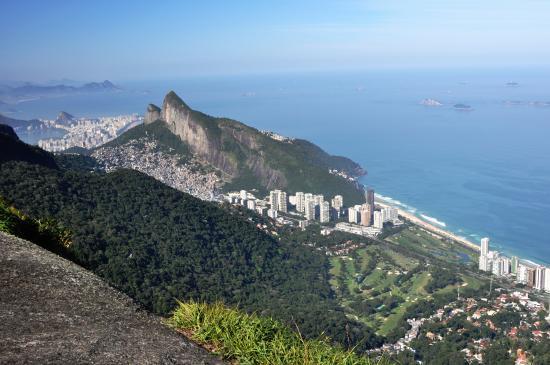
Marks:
<point>19,125</point>
<point>9,94</point>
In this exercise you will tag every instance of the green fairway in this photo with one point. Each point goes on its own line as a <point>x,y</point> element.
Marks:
<point>378,283</point>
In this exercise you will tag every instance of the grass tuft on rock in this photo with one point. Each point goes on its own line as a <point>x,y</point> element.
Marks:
<point>47,233</point>
<point>250,339</point>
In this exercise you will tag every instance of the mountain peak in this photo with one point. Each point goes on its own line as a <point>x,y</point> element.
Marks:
<point>173,99</point>
<point>98,86</point>
<point>64,118</point>
<point>153,108</point>
<point>108,84</point>
<point>152,114</point>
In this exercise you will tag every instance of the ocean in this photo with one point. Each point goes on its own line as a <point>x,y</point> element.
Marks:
<point>478,172</point>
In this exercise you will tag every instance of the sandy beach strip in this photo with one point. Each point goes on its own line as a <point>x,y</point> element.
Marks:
<point>430,227</point>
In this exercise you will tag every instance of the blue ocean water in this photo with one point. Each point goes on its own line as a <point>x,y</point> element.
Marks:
<point>483,172</point>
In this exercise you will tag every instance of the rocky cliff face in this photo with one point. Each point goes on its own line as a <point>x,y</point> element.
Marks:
<point>152,114</point>
<point>54,312</point>
<point>180,121</point>
<point>229,146</point>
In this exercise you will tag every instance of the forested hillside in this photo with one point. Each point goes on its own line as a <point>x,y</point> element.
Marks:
<point>158,245</point>
<point>13,149</point>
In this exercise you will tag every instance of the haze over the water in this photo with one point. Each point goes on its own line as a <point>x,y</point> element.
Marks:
<point>130,40</point>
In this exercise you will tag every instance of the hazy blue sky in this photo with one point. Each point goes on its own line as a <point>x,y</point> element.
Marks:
<point>123,40</point>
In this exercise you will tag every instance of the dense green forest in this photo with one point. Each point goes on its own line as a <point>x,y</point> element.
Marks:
<point>158,245</point>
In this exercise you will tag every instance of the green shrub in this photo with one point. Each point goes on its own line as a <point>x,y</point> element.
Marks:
<point>46,233</point>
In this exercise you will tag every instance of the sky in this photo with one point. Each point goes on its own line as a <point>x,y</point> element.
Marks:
<point>140,40</point>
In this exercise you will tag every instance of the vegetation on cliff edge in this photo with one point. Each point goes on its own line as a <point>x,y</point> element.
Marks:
<point>252,339</point>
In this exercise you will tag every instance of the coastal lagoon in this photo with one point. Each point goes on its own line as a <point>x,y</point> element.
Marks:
<point>479,172</point>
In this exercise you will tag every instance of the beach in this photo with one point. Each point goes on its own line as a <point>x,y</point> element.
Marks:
<point>430,227</point>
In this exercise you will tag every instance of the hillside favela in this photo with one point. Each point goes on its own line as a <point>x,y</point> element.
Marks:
<point>313,182</point>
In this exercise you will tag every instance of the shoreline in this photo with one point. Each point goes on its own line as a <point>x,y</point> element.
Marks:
<point>386,201</point>
<point>428,226</point>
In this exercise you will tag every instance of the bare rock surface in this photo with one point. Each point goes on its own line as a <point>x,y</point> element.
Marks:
<point>52,311</point>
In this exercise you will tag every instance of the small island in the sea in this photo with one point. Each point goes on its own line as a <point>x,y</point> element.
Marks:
<point>431,102</point>
<point>527,103</point>
<point>512,84</point>
<point>539,103</point>
<point>464,107</point>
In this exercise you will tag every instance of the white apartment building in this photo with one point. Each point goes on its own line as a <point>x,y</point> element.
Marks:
<point>390,214</point>
<point>353,215</point>
<point>522,275</point>
<point>355,229</point>
<point>278,200</point>
<point>307,198</point>
<point>338,202</point>
<point>324,212</point>
<point>485,246</point>
<point>514,264</point>
<point>539,277</point>
<point>378,220</point>
<point>300,202</point>
<point>506,266</point>
<point>310,209</point>
<point>319,199</point>
<point>497,267</point>
<point>272,213</point>
<point>282,205</point>
<point>500,265</point>
<point>274,199</point>
<point>484,263</point>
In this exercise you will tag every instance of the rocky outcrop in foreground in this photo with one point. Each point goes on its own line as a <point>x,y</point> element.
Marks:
<point>53,311</point>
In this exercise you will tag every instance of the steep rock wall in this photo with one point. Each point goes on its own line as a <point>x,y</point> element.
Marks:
<point>227,145</point>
